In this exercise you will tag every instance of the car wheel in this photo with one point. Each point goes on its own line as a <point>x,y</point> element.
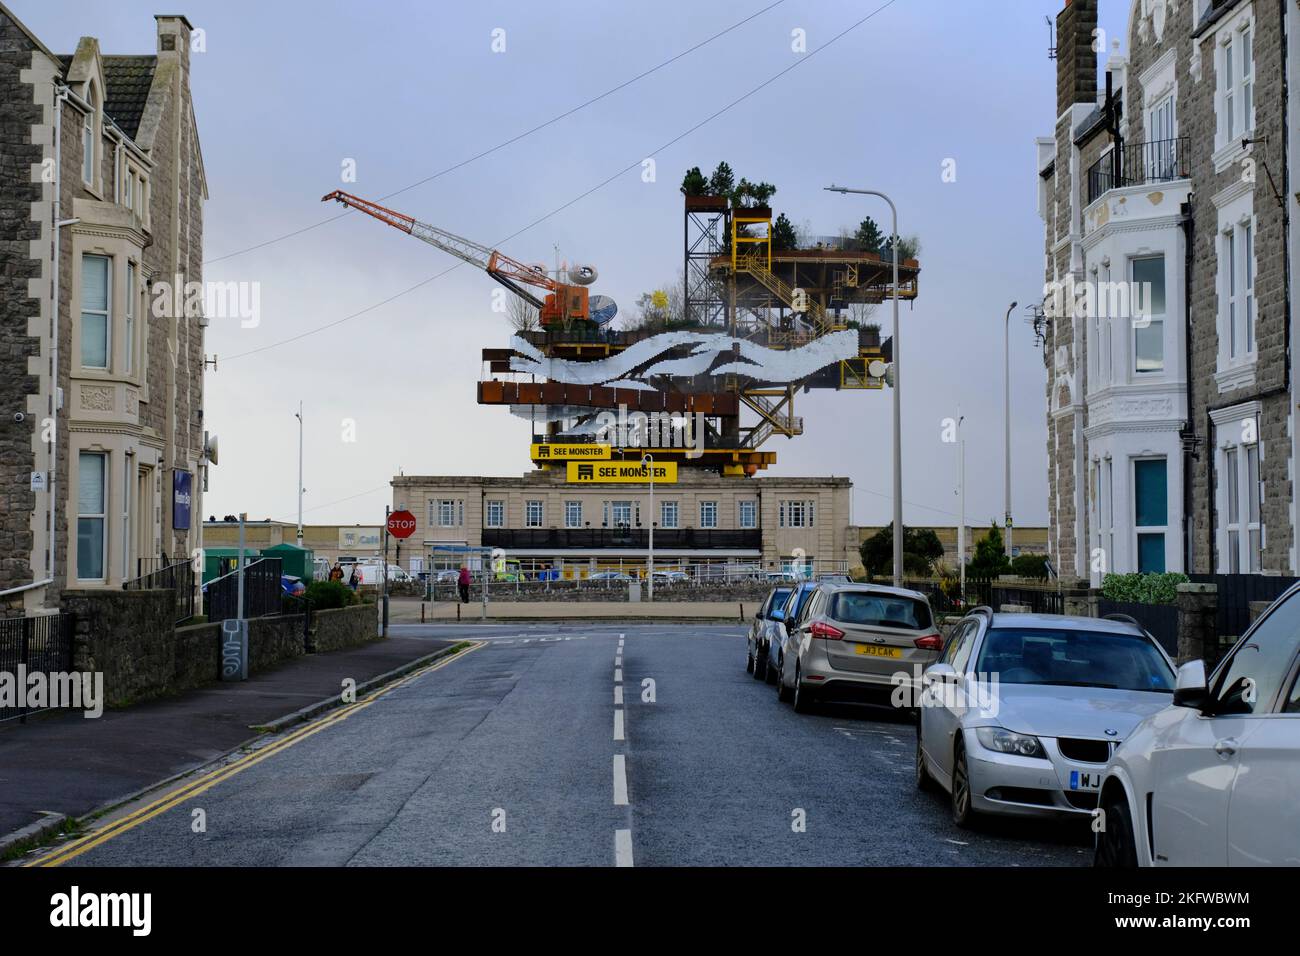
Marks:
<point>749,659</point>
<point>804,701</point>
<point>769,672</point>
<point>924,782</point>
<point>760,662</point>
<point>962,814</point>
<point>783,693</point>
<point>1115,844</point>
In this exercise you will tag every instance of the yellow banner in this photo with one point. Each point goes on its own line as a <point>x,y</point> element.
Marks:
<point>633,472</point>
<point>549,452</point>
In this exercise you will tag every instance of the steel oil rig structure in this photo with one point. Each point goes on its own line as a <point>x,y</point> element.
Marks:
<point>758,324</point>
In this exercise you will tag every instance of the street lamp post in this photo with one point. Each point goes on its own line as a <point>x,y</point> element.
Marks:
<point>648,461</point>
<point>895,360</point>
<point>298,415</point>
<point>961,508</point>
<point>1006,420</point>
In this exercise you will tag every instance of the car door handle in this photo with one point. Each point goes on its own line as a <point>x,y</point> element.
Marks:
<point>1226,747</point>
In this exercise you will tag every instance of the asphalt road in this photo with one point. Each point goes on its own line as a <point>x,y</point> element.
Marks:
<point>510,755</point>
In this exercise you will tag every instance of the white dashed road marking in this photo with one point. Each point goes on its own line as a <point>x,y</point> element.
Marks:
<point>618,695</point>
<point>622,847</point>
<point>620,781</point>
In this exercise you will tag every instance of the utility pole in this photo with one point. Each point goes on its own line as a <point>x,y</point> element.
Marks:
<point>384,602</point>
<point>1006,420</point>
<point>898,414</point>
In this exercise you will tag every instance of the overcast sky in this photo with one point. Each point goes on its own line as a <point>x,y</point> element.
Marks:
<point>286,93</point>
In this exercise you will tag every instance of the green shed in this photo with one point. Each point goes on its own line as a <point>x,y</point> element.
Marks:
<point>293,560</point>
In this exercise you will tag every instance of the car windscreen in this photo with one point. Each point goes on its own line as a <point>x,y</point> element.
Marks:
<point>1074,658</point>
<point>879,610</point>
<point>779,596</point>
<point>794,604</point>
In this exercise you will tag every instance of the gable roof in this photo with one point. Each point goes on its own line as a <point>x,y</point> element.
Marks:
<point>128,80</point>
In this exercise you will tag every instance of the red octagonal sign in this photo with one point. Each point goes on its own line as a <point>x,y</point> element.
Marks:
<point>401,524</point>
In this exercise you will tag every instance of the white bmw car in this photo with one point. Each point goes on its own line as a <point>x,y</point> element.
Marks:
<point>1214,779</point>
<point>1021,713</point>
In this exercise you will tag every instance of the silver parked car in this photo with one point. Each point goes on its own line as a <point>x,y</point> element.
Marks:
<point>1023,711</point>
<point>856,642</point>
<point>768,615</point>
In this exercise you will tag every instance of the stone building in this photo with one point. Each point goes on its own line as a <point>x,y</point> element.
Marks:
<point>1167,300</point>
<point>542,521</point>
<point>102,451</point>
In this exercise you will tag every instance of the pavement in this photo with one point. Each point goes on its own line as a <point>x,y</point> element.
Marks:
<point>582,744</point>
<point>60,763</point>
<point>407,610</point>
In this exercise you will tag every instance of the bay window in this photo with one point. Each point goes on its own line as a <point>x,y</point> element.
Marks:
<point>96,295</point>
<point>1151,512</point>
<point>1148,278</point>
<point>92,514</point>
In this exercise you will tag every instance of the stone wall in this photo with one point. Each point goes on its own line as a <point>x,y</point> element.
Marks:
<point>129,636</point>
<point>19,112</point>
<point>565,591</point>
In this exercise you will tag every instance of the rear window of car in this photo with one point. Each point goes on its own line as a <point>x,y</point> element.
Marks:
<point>880,610</point>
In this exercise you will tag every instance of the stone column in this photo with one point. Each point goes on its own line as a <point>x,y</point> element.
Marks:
<point>1078,600</point>
<point>1198,637</point>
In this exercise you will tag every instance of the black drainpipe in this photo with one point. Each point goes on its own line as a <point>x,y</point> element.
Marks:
<point>1189,430</point>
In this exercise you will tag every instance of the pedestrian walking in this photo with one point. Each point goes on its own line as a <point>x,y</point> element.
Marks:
<point>336,572</point>
<point>463,582</point>
<point>354,581</point>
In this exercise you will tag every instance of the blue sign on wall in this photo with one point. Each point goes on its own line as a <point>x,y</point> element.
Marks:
<point>181,481</point>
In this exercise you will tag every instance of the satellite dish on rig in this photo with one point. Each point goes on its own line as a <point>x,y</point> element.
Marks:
<point>602,309</point>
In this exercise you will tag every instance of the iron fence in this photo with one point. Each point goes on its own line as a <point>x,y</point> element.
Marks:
<point>34,644</point>
<point>262,591</point>
<point>1160,620</point>
<point>177,578</point>
<point>1236,592</point>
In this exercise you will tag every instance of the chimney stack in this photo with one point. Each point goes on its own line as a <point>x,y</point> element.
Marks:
<point>1076,61</point>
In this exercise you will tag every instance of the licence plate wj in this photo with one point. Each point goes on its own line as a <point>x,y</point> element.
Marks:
<point>871,650</point>
<point>1080,780</point>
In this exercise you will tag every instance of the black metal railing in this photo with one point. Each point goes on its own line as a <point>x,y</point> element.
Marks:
<point>34,644</point>
<point>1137,164</point>
<point>665,538</point>
<point>1235,594</point>
<point>262,592</point>
<point>177,578</point>
<point>1159,620</point>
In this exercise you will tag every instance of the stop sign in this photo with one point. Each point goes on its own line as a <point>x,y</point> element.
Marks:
<point>401,524</point>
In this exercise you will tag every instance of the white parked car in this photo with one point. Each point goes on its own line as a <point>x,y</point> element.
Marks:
<point>1214,779</point>
<point>1021,713</point>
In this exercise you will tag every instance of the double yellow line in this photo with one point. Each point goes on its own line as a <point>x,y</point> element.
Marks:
<point>210,779</point>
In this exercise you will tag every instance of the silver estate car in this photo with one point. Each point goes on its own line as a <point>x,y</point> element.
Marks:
<point>855,643</point>
<point>769,614</point>
<point>1022,712</point>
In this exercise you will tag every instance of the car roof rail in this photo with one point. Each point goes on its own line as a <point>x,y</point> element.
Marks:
<point>982,609</point>
<point>1117,616</point>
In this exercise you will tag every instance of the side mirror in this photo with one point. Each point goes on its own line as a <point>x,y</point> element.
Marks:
<point>778,615</point>
<point>941,673</point>
<point>1191,688</point>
